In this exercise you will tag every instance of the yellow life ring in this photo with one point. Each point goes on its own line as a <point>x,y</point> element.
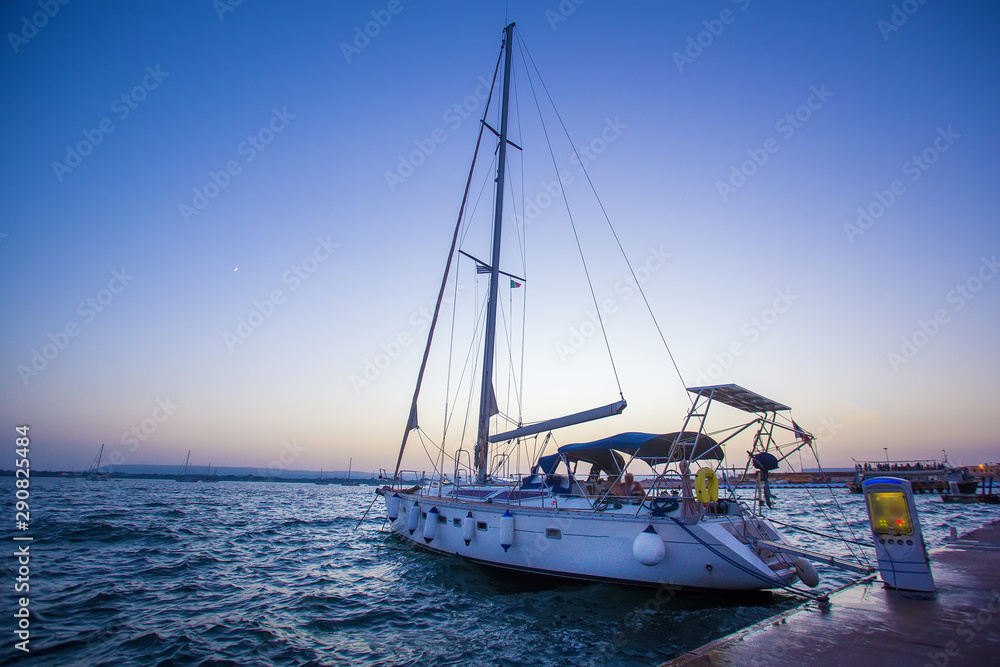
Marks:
<point>706,486</point>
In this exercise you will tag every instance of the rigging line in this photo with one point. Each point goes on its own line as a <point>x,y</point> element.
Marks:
<point>479,199</point>
<point>815,532</point>
<point>832,494</point>
<point>411,419</point>
<point>508,327</point>
<point>606,217</point>
<point>451,348</point>
<point>509,182</point>
<point>513,197</point>
<point>440,473</point>
<point>830,521</point>
<point>523,235</point>
<point>433,459</point>
<point>510,376</point>
<point>473,345</point>
<point>593,295</point>
<point>520,234</point>
<point>486,110</point>
<point>545,443</point>
<point>475,364</point>
<point>468,356</point>
<point>510,352</point>
<point>536,448</point>
<point>524,313</point>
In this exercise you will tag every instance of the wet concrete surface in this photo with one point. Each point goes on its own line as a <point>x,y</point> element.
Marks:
<point>869,624</point>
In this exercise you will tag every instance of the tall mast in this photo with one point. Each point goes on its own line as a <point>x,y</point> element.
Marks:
<point>486,397</point>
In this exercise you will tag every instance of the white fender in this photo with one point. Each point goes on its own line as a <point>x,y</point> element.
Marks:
<point>807,573</point>
<point>648,547</point>
<point>413,518</point>
<point>431,525</point>
<point>468,528</point>
<point>393,503</point>
<point>507,530</point>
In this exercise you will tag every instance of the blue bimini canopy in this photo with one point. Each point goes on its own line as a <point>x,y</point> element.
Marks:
<point>649,447</point>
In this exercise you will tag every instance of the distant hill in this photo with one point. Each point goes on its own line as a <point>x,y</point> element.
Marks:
<point>234,471</point>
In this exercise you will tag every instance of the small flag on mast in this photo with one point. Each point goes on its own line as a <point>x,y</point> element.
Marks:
<point>482,268</point>
<point>514,283</point>
<point>800,434</point>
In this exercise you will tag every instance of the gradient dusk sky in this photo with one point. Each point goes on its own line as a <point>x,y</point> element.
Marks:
<point>807,185</point>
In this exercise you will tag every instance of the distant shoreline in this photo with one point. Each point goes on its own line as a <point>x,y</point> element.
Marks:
<point>205,479</point>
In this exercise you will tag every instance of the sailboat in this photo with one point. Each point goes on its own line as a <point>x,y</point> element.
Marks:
<point>209,476</point>
<point>94,472</point>
<point>633,508</point>
<point>185,474</point>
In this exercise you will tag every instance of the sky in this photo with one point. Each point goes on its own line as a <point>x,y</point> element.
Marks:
<point>224,223</point>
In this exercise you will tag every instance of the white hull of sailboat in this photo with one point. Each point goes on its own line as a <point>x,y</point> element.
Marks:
<point>593,546</point>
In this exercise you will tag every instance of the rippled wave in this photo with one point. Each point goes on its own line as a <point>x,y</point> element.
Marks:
<point>147,572</point>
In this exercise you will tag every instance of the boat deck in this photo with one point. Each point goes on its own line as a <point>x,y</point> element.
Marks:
<point>869,624</point>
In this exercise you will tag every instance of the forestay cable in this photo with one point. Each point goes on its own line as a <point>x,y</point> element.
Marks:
<point>606,217</point>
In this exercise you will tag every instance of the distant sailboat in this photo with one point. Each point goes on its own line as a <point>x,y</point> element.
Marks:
<point>94,472</point>
<point>209,476</point>
<point>185,476</point>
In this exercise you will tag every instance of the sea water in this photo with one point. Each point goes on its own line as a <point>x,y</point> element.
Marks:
<point>158,572</point>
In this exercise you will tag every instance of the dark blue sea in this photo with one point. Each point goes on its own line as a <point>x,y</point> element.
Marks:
<point>137,572</point>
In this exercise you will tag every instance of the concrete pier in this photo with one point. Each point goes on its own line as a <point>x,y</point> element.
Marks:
<point>869,624</point>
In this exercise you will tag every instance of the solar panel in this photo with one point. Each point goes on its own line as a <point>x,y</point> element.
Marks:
<point>736,396</point>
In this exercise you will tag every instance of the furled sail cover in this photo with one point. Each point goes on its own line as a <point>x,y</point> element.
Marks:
<point>649,447</point>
